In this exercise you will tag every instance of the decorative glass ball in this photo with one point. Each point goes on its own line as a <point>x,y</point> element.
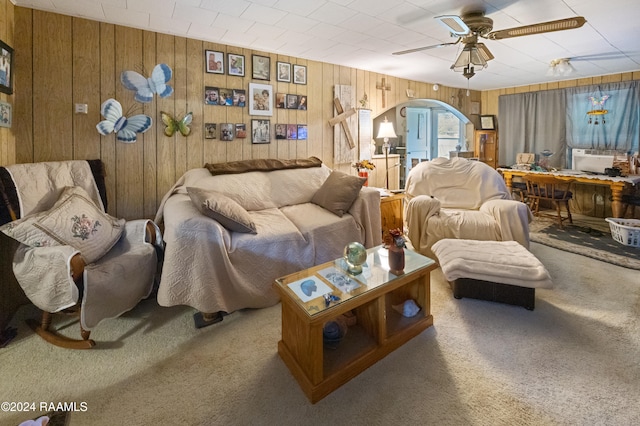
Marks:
<point>355,254</point>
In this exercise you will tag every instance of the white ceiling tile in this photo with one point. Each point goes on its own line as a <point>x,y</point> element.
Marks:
<point>197,15</point>
<point>163,24</point>
<point>92,10</point>
<point>295,22</point>
<point>265,31</point>
<point>131,18</point>
<point>262,14</point>
<point>232,8</point>
<point>232,23</point>
<point>206,32</point>
<point>157,7</point>
<point>332,13</point>
<point>302,8</point>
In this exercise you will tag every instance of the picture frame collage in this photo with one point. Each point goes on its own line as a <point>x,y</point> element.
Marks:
<point>291,131</point>
<point>259,97</point>
<point>291,101</point>
<point>228,131</point>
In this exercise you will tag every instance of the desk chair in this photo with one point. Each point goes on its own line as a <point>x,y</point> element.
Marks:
<point>542,187</point>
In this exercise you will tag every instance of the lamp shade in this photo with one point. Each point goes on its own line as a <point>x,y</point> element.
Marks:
<point>386,130</point>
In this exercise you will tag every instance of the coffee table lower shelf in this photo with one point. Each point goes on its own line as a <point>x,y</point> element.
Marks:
<point>339,371</point>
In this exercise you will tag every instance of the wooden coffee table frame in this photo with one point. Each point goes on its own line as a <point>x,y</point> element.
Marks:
<point>379,330</point>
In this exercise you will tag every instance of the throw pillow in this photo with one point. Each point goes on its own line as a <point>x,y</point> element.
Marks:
<point>338,192</point>
<point>74,220</point>
<point>223,209</point>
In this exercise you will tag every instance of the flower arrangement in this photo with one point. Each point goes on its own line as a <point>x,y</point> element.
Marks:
<point>397,237</point>
<point>364,165</point>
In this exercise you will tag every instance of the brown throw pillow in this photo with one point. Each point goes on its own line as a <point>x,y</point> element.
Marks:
<point>338,192</point>
<point>223,209</point>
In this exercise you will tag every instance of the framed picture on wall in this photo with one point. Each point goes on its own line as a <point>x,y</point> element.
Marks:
<point>488,122</point>
<point>6,68</point>
<point>300,74</point>
<point>5,114</point>
<point>260,131</point>
<point>283,72</point>
<point>260,99</point>
<point>214,61</point>
<point>236,64</point>
<point>261,66</point>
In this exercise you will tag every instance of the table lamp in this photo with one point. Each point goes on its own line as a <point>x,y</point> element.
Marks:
<point>386,132</point>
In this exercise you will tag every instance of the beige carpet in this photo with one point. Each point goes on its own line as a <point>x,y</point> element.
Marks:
<point>574,360</point>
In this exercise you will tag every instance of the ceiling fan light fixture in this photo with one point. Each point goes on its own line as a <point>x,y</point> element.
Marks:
<point>454,24</point>
<point>469,59</point>
<point>560,68</point>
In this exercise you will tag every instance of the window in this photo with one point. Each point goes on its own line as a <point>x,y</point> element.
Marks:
<point>447,131</point>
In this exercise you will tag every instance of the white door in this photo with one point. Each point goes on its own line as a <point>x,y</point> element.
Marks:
<point>417,137</point>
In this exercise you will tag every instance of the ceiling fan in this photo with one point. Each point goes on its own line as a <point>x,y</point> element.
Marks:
<point>470,26</point>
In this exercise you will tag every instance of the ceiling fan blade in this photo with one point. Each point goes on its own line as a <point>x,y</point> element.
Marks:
<point>454,24</point>
<point>419,49</point>
<point>542,27</point>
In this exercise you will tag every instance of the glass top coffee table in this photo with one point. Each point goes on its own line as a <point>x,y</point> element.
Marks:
<point>315,296</point>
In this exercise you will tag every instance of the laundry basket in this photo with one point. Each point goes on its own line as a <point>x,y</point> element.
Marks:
<point>625,231</point>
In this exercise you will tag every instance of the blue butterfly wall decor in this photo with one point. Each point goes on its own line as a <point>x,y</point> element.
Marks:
<point>126,129</point>
<point>145,88</point>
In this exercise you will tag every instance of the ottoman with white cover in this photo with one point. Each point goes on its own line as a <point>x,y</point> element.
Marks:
<point>499,271</point>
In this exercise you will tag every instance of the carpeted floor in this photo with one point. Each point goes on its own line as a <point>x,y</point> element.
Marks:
<point>571,361</point>
<point>587,238</point>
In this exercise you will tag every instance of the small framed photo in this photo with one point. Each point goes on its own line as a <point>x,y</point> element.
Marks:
<point>260,131</point>
<point>260,99</point>
<point>261,67</point>
<point>281,131</point>
<point>210,130</point>
<point>227,131</point>
<point>6,68</point>
<point>302,131</point>
<point>211,95</point>
<point>236,64</point>
<point>241,130</point>
<point>302,102</point>
<point>5,114</point>
<point>292,101</point>
<point>488,122</point>
<point>300,74</point>
<point>239,97</point>
<point>226,97</point>
<point>283,72</point>
<point>281,100</point>
<point>214,62</point>
<point>292,131</point>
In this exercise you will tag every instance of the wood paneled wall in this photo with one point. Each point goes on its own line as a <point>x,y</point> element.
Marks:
<point>7,138</point>
<point>83,63</point>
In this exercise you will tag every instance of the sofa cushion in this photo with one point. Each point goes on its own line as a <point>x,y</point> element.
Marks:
<point>219,207</point>
<point>338,192</point>
<point>74,220</point>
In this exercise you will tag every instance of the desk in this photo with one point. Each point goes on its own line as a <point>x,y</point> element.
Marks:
<point>618,185</point>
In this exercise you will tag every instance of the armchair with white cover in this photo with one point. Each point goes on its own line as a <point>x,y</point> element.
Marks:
<point>463,199</point>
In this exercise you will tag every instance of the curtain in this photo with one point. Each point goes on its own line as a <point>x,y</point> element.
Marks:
<point>532,122</point>
<point>557,120</point>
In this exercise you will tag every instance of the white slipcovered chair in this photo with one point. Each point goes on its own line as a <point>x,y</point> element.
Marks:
<point>464,199</point>
<point>73,257</point>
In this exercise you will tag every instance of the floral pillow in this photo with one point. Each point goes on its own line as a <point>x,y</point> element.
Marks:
<point>73,220</point>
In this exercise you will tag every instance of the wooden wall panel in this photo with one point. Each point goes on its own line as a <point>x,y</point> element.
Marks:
<point>150,137</point>
<point>129,156</point>
<point>86,79</point>
<point>107,62</point>
<point>23,110</point>
<point>7,138</point>
<point>52,87</point>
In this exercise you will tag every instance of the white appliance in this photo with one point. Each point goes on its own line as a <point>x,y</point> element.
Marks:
<point>591,160</point>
